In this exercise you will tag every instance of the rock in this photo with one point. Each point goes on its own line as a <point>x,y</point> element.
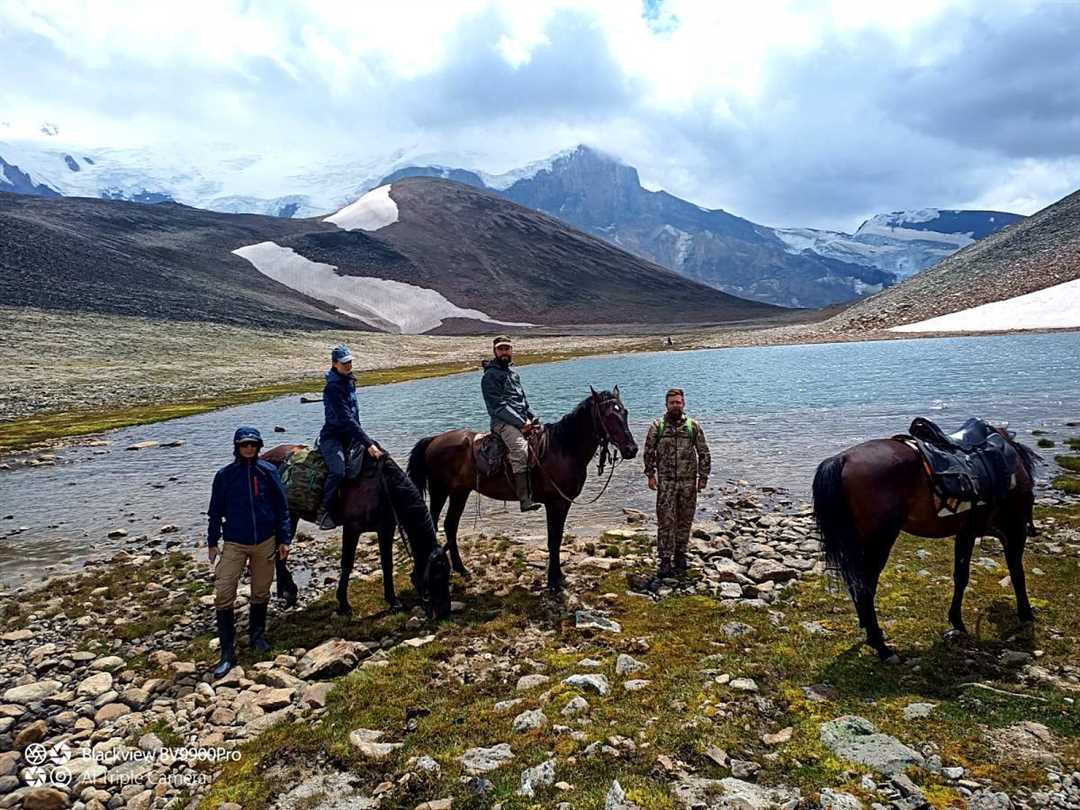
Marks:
<point>32,692</point>
<point>529,721</point>
<point>732,793</point>
<point>114,533</point>
<point>616,799</point>
<point>279,429</point>
<point>438,804</point>
<point>838,800</point>
<point>35,732</point>
<point>314,695</point>
<point>142,445</point>
<point>531,681</point>
<point>857,739</point>
<point>575,706</point>
<point>989,800</point>
<point>779,738</point>
<point>635,685</point>
<point>17,635</point>
<point>743,768</point>
<point>717,755</point>
<point>482,760</point>
<point>367,742</point>
<point>587,620</point>
<point>770,571</point>
<point>169,528</point>
<point>110,712</point>
<point>540,776</point>
<point>109,663</point>
<point>270,700</point>
<point>626,664</point>
<point>418,641</point>
<point>744,684</point>
<point>737,629</point>
<point>916,711</point>
<point>44,798</point>
<point>595,681</point>
<point>333,657</point>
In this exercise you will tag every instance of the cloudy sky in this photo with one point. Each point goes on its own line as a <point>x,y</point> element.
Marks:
<point>789,113</point>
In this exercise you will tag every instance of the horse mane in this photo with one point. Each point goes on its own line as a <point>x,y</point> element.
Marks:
<point>565,431</point>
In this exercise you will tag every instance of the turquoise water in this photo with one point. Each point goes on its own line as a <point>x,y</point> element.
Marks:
<point>771,414</point>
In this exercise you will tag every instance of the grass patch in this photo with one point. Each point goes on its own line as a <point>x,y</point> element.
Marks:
<point>1045,443</point>
<point>1069,484</point>
<point>1074,442</point>
<point>1070,463</point>
<point>24,433</point>
<point>439,699</point>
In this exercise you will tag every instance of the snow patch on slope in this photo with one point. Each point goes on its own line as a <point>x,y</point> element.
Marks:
<point>1056,307</point>
<point>392,306</point>
<point>501,182</point>
<point>373,211</point>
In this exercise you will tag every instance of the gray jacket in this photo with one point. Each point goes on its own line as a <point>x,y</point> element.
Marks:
<point>504,395</point>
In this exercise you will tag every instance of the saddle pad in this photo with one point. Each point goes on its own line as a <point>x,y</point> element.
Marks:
<point>981,475</point>
<point>489,451</point>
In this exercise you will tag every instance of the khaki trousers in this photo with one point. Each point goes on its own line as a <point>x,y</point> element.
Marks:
<point>230,567</point>
<point>516,444</point>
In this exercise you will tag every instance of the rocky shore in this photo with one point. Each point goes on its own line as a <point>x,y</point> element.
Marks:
<point>742,686</point>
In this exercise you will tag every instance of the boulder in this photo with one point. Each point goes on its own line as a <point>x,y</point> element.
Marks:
<point>529,721</point>
<point>481,760</point>
<point>770,571</point>
<point>531,681</point>
<point>31,692</point>
<point>594,681</point>
<point>856,739</point>
<point>333,657</point>
<point>45,798</point>
<point>733,794</point>
<point>533,778</point>
<point>587,620</point>
<point>625,664</point>
<point>367,742</point>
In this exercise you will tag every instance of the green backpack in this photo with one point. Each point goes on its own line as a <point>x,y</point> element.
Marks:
<point>663,422</point>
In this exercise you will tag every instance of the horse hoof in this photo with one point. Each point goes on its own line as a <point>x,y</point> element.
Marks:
<point>893,660</point>
<point>292,597</point>
<point>344,611</point>
<point>954,633</point>
<point>396,606</point>
<point>1027,618</point>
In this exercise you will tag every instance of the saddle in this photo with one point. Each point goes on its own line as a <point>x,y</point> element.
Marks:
<point>490,453</point>
<point>973,466</point>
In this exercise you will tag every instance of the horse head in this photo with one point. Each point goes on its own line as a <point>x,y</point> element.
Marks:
<point>434,584</point>
<point>612,420</point>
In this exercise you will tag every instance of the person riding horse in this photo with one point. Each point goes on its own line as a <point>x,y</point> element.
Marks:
<point>512,420</point>
<point>342,429</point>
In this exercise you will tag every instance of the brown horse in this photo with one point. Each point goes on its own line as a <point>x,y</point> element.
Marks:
<point>366,504</point>
<point>444,464</point>
<point>865,496</point>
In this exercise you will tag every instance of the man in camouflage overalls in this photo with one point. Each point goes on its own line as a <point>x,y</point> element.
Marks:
<point>677,464</point>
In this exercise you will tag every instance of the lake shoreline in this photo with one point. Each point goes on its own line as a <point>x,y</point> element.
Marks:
<point>103,386</point>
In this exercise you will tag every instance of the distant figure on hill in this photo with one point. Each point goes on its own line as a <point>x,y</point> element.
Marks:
<point>677,464</point>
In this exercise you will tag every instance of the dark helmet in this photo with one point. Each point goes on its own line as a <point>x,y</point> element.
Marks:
<point>247,434</point>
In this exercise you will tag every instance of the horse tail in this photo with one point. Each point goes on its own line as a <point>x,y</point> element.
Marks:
<point>843,551</point>
<point>417,468</point>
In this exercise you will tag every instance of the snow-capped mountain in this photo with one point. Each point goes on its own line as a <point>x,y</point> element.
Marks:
<point>590,190</point>
<point>903,242</point>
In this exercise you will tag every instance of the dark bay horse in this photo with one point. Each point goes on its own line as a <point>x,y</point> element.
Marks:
<point>865,496</point>
<point>365,504</point>
<point>444,465</point>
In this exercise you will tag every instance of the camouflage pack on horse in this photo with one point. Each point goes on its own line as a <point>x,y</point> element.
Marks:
<point>375,496</point>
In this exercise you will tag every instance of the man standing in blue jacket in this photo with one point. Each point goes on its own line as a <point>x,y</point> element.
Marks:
<point>342,429</point>
<point>248,507</point>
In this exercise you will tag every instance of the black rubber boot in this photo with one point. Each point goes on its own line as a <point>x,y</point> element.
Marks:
<point>681,566</point>
<point>257,628</point>
<point>226,629</point>
<point>521,486</point>
<point>665,571</point>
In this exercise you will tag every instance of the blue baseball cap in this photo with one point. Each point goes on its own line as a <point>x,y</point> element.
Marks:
<point>247,434</point>
<point>341,354</point>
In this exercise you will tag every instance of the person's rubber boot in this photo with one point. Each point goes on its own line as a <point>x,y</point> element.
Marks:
<point>521,484</point>
<point>664,570</point>
<point>325,520</point>
<point>226,629</point>
<point>681,567</point>
<point>257,628</point>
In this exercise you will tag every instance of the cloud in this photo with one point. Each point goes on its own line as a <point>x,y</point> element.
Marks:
<point>794,113</point>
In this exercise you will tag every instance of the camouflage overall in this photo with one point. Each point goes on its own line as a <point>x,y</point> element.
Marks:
<point>678,455</point>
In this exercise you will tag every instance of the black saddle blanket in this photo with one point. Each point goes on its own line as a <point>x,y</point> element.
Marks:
<point>490,453</point>
<point>974,465</point>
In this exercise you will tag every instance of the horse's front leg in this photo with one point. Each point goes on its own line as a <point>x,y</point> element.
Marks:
<point>556,521</point>
<point>964,545</point>
<point>386,561</point>
<point>349,538</point>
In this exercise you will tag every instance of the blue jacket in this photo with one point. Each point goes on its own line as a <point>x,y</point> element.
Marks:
<point>249,498</point>
<point>341,412</point>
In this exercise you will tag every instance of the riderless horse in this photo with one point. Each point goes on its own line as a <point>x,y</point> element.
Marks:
<point>367,504</point>
<point>446,466</point>
<point>865,496</point>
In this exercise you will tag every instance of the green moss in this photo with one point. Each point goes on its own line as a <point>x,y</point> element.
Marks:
<point>1045,443</point>
<point>1067,483</point>
<point>1070,463</point>
<point>1074,442</point>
